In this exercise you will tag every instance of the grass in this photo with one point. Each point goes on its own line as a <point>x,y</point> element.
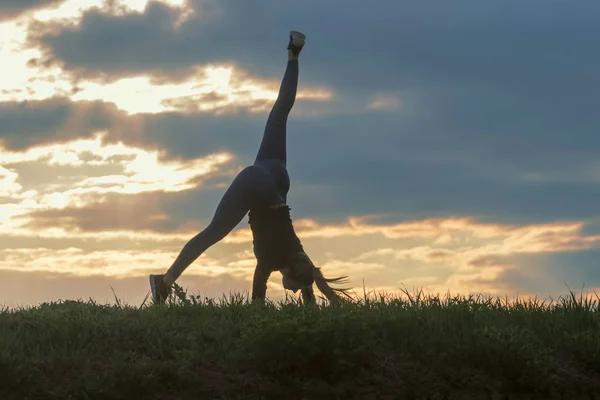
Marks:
<point>411,346</point>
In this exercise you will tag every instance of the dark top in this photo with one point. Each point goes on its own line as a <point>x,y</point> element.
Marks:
<point>274,241</point>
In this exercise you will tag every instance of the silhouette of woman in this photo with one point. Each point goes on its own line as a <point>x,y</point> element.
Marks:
<point>261,189</point>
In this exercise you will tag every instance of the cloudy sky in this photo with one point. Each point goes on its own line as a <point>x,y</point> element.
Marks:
<point>437,145</point>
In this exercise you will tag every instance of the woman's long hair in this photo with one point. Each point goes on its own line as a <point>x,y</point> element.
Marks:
<point>331,293</point>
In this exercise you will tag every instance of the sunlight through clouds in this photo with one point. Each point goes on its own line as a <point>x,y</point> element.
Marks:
<point>8,184</point>
<point>71,11</point>
<point>117,264</point>
<point>475,138</point>
<point>210,88</point>
<point>67,12</point>
<point>140,171</point>
<point>140,5</point>
<point>457,260</point>
<point>22,79</point>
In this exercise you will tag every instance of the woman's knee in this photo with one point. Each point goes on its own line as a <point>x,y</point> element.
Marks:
<point>208,237</point>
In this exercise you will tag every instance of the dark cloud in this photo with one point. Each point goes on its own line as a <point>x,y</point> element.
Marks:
<point>396,44</point>
<point>498,81</point>
<point>395,164</point>
<point>12,8</point>
<point>32,123</point>
<point>493,95</point>
<point>410,166</point>
<point>179,135</point>
<point>139,42</point>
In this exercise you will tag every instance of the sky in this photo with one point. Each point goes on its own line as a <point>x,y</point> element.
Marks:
<point>444,146</point>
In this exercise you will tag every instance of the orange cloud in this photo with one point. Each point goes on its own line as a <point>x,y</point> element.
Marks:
<point>438,267</point>
<point>121,263</point>
<point>384,102</point>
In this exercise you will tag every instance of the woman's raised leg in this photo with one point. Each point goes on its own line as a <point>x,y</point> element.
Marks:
<point>273,144</point>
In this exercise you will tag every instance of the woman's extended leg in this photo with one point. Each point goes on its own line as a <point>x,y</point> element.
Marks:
<point>272,152</point>
<point>273,145</point>
<point>252,187</point>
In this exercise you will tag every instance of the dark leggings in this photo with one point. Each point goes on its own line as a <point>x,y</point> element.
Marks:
<point>263,184</point>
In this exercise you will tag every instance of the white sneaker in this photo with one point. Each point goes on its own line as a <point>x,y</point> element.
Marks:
<point>296,42</point>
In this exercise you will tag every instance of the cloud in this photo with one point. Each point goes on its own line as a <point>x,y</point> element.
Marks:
<point>111,213</point>
<point>386,173</point>
<point>534,273</point>
<point>34,123</point>
<point>103,191</point>
<point>462,42</point>
<point>480,129</point>
<point>214,88</point>
<point>134,169</point>
<point>384,102</point>
<point>73,261</point>
<point>472,248</point>
<point>13,8</point>
<point>472,257</point>
<point>221,87</point>
<point>479,258</point>
<point>452,148</point>
<point>155,20</point>
<point>87,186</point>
<point>481,89</point>
<point>178,135</point>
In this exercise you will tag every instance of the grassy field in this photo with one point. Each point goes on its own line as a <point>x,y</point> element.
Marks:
<point>410,346</point>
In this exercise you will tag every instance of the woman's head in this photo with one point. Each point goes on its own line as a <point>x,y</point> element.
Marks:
<point>299,273</point>
<point>302,273</point>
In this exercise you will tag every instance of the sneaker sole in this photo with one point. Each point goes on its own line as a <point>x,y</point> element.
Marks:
<point>154,290</point>
<point>298,38</point>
